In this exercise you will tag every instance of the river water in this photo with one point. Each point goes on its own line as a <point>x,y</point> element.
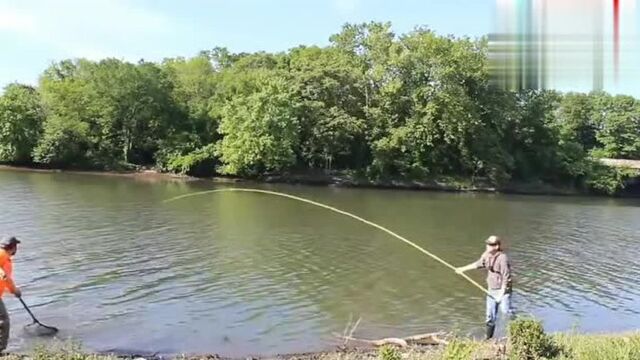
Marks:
<point>117,269</point>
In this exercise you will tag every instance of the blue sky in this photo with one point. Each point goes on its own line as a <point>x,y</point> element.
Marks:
<point>33,33</point>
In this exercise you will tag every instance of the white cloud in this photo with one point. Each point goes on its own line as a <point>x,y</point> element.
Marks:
<point>345,7</point>
<point>77,28</point>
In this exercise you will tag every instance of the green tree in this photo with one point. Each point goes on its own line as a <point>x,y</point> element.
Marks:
<point>70,117</point>
<point>576,119</point>
<point>194,84</point>
<point>187,147</point>
<point>416,105</point>
<point>136,102</point>
<point>65,143</point>
<point>531,139</point>
<point>21,117</point>
<point>427,115</point>
<point>119,111</point>
<point>260,127</point>
<point>331,108</point>
<point>619,131</point>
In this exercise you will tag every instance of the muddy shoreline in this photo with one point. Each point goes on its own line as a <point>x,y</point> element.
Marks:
<point>352,352</point>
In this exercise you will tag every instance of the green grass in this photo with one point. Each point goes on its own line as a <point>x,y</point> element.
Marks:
<point>58,351</point>
<point>570,346</point>
<point>597,347</point>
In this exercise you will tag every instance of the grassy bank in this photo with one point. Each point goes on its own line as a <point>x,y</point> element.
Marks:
<point>527,341</point>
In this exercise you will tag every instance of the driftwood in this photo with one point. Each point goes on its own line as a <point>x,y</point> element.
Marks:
<point>381,342</point>
<point>350,332</point>
<point>427,339</point>
<point>421,339</point>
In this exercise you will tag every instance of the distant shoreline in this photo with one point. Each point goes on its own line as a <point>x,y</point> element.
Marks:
<point>326,179</point>
<point>125,173</point>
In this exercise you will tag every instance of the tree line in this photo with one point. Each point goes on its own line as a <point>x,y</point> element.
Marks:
<point>411,106</point>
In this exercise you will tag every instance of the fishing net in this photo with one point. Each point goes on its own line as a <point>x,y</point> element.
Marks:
<point>36,328</point>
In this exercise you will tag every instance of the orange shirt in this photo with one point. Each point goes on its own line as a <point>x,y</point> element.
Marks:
<point>7,266</point>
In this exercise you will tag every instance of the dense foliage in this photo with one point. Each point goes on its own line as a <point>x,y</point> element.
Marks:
<point>414,106</point>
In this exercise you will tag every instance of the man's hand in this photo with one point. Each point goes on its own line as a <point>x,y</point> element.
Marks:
<point>18,293</point>
<point>3,275</point>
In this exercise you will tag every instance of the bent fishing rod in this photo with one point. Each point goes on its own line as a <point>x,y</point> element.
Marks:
<point>356,217</point>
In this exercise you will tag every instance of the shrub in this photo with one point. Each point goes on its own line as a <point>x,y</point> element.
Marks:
<point>200,162</point>
<point>528,340</point>
<point>608,180</point>
<point>459,350</point>
<point>389,353</point>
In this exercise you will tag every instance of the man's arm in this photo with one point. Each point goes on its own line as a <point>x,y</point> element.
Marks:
<point>12,287</point>
<point>474,265</point>
<point>6,270</point>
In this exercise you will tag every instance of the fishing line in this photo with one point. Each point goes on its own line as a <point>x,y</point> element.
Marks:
<point>379,227</point>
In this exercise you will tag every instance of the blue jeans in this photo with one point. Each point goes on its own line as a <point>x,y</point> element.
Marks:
<point>492,307</point>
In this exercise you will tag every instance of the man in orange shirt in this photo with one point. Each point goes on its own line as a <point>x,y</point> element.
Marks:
<point>8,248</point>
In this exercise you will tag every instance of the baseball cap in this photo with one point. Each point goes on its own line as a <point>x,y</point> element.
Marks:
<point>492,240</point>
<point>7,240</point>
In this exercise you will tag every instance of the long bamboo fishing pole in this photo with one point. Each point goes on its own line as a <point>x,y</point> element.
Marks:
<point>419,248</point>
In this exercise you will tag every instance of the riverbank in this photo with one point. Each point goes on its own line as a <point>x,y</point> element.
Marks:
<point>337,179</point>
<point>143,174</point>
<point>443,184</point>
<point>567,346</point>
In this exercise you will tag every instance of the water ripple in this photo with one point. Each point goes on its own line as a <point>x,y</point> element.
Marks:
<point>269,275</point>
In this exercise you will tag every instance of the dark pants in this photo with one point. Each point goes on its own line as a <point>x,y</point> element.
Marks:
<point>4,326</point>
